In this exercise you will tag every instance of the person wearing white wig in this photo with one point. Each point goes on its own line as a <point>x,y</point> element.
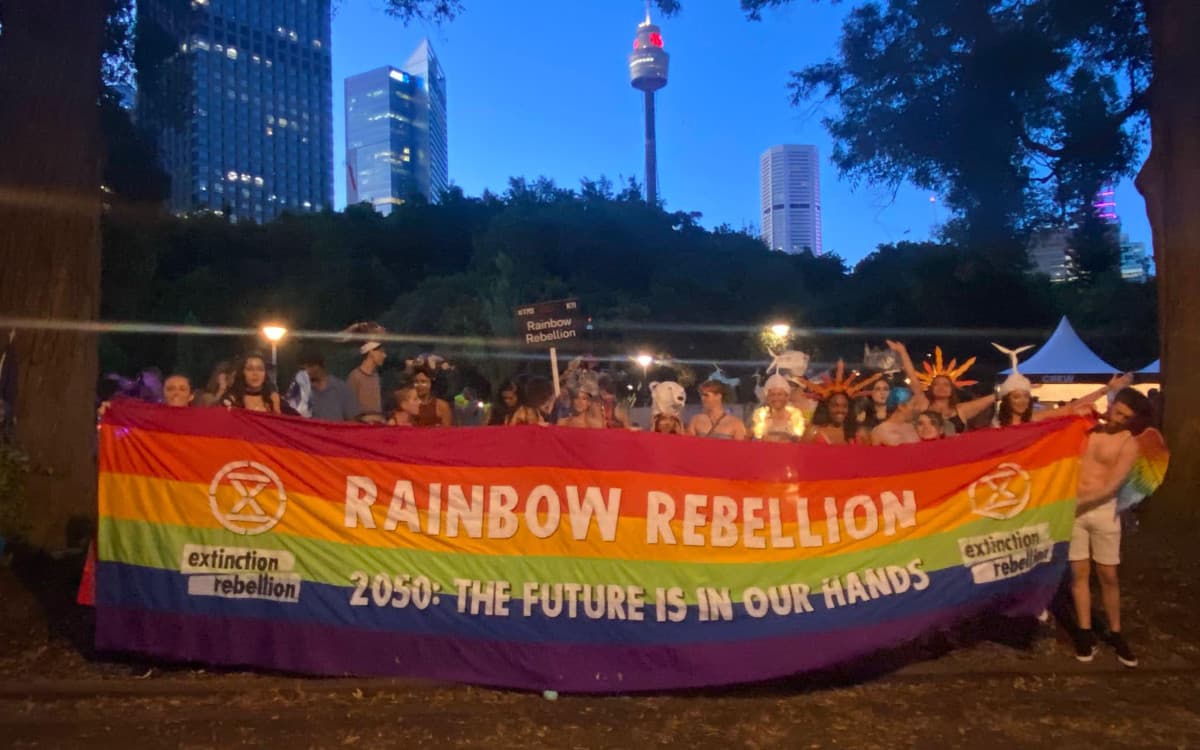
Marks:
<point>777,420</point>
<point>1016,395</point>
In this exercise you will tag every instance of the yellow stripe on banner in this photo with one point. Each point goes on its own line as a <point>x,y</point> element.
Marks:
<point>135,497</point>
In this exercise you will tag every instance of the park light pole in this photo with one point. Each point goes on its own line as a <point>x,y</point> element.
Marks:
<point>274,333</point>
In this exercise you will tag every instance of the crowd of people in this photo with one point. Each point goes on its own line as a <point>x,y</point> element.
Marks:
<point>840,407</point>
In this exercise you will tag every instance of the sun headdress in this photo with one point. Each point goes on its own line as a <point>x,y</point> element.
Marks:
<point>952,371</point>
<point>838,382</point>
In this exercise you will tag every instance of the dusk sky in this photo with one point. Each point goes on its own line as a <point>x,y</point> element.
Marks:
<point>541,87</point>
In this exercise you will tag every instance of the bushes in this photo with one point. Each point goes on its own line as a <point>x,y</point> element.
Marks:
<point>14,513</point>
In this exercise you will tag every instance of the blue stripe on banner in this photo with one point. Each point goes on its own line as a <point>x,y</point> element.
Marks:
<point>121,585</point>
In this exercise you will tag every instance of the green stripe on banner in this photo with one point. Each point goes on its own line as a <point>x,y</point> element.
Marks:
<point>161,546</point>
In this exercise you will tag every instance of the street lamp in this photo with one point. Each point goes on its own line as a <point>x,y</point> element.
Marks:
<point>274,334</point>
<point>775,337</point>
<point>645,360</point>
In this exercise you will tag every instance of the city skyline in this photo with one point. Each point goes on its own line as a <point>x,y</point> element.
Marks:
<point>518,110</point>
<point>256,139</point>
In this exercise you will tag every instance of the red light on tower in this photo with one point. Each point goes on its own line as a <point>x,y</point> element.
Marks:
<point>656,39</point>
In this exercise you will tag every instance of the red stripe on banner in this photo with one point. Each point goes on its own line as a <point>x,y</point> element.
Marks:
<point>195,460</point>
<point>604,450</point>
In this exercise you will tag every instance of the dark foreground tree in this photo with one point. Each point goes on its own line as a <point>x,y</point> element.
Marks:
<point>50,171</point>
<point>1169,181</point>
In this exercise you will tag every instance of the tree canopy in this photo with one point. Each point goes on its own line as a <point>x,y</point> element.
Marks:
<point>458,268</point>
<point>1013,112</point>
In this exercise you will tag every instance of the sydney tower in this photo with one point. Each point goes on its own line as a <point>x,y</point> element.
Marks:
<point>648,72</point>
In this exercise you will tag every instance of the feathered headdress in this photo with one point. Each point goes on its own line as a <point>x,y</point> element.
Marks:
<point>1015,381</point>
<point>435,362</point>
<point>837,382</point>
<point>951,372</point>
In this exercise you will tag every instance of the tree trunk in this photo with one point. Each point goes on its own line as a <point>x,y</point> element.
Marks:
<point>50,171</point>
<point>1170,182</point>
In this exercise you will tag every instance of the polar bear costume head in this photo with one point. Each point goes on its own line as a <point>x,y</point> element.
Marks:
<point>668,398</point>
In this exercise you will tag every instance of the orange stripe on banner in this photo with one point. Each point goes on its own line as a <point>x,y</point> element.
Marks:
<point>142,498</point>
<point>199,460</point>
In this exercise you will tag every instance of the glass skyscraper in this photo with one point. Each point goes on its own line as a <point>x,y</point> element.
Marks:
<point>396,143</point>
<point>790,194</point>
<point>243,110</point>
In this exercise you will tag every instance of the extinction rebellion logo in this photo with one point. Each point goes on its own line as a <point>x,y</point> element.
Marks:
<point>1001,494</point>
<point>247,497</point>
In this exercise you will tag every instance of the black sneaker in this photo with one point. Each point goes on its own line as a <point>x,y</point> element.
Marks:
<point>1124,652</point>
<point>1085,645</point>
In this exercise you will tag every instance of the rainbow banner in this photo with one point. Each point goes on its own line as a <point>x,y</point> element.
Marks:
<point>564,559</point>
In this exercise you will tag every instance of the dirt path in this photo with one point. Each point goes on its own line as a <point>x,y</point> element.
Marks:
<point>998,684</point>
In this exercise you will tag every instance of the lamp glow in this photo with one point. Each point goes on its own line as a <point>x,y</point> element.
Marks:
<point>274,333</point>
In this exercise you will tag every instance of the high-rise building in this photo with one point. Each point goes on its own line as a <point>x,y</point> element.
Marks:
<point>790,193</point>
<point>242,112</point>
<point>1050,252</point>
<point>1050,249</point>
<point>396,141</point>
<point>648,64</point>
<point>1134,263</point>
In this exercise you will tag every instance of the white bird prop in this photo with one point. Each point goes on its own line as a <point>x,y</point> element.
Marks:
<point>884,360</point>
<point>1012,353</point>
<point>1015,381</point>
<point>719,376</point>
<point>795,362</point>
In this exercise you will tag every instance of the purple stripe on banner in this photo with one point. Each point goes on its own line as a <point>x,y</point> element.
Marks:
<point>122,585</point>
<point>310,648</point>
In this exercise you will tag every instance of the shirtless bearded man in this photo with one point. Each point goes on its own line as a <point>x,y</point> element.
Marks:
<point>1108,457</point>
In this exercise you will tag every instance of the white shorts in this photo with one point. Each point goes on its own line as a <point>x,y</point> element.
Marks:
<point>1097,534</point>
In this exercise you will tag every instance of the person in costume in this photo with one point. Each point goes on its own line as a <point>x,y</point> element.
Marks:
<point>1015,394</point>
<point>834,392</point>
<point>714,421</point>
<point>1108,460</point>
<point>582,414</point>
<point>667,399</point>
<point>777,420</point>
<point>940,384</point>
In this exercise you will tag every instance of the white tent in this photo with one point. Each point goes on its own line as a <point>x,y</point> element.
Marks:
<point>1063,355</point>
